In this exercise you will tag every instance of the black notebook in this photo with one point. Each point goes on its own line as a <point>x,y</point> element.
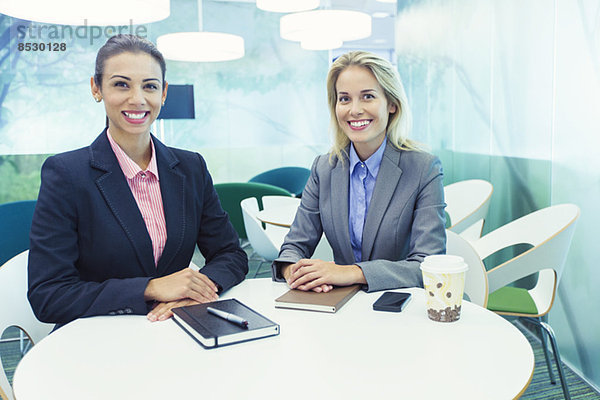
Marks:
<point>212,331</point>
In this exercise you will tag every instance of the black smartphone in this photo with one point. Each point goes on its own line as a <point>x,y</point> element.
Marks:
<point>392,301</point>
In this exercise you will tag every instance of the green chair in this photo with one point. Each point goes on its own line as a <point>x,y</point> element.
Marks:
<point>231,195</point>
<point>292,179</point>
<point>15,224</point>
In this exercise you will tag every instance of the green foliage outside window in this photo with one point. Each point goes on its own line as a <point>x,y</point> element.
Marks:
<point>20,177</point>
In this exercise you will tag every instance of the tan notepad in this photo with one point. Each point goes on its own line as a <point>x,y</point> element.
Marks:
<point>313,301</point>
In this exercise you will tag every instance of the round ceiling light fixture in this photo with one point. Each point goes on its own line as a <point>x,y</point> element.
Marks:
<point>201,46</point>
<point>79,12</point>
<point>327,26</point>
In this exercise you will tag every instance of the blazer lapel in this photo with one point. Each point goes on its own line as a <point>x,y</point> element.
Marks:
<point>117,194</point>
<point>340,186</point>
<point>385,186</point>
<point>173,192</point>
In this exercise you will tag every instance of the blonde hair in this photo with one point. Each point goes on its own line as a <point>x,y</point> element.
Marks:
<point>399,123</point>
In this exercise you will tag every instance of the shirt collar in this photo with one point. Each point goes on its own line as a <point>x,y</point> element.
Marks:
<point>128,166</point>
<point>372,162</point>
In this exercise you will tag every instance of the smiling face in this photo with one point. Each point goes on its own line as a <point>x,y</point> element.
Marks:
<point>132,91</point>
<point>362,110</point>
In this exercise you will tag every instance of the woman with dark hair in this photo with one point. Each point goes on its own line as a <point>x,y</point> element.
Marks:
<point>376,195</point>
<point>116,223</point>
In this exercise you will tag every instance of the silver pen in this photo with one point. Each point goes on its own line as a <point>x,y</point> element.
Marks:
<point>228,316</point>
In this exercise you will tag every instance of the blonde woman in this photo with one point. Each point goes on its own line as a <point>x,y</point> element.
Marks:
<point>377,196</point>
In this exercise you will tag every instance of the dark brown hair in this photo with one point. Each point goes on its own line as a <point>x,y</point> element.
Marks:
<point>123,43</point>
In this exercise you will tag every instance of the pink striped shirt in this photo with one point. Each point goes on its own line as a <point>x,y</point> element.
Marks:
<point>145,188</point>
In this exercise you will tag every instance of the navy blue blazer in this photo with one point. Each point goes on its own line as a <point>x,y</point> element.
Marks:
<point>90,252</point>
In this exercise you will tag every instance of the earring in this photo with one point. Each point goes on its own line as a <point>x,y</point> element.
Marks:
<point>98,99</point>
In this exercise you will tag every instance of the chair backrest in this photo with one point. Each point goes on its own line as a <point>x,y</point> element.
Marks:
<point>15,224</point>
<point>549,231</point>
<point>231,194</point>
<point>259,239</point>
<point>292,179</point>
<point>476,283</point>
<point>323,251</point>
<point>281,210</point>
<point>467,204</point>
<point>279,201</point>
<point>15,309</point>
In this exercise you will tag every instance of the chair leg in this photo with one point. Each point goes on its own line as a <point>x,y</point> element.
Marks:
<point>22,342</point>
<point>561,374</point>
<point>550,332</point>
<point>257,269</point>
<point>546,356</point>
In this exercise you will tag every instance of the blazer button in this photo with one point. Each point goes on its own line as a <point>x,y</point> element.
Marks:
<point>112,313</point>
<point>120,312</point>
<point>128,310</point>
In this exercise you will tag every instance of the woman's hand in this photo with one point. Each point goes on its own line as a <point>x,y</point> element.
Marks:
<point>286,272</point>
<point>320,276</point>
<point>186,284</point>
<point>162,311</point>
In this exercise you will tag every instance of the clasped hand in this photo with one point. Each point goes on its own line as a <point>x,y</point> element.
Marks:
<point>321,276</point>
<point>181,288</point>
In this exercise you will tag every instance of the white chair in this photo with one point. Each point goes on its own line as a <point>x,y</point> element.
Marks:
<point>280,201</point>
<point>16,311</point>
<point>467,205</point>
<point>549,231</point>
<point>285,207</point>
<point>265,243</point>
<point>476,283</point>
<point>323,250</point>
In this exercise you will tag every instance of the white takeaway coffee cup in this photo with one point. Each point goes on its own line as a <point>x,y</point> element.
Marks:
<point>444,282</point>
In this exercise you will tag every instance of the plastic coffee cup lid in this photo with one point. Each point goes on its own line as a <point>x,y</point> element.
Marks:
<point>444,264</point>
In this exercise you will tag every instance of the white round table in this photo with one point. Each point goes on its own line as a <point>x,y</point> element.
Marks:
<point>356,353</point>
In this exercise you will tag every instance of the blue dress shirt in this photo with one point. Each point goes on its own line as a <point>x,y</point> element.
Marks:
<point>362,181</point>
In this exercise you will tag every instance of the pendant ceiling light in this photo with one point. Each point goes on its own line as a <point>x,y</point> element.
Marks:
<point>325,29</point>
<point>287,6</point>
<point>80,12</point>
<point>201,46</point>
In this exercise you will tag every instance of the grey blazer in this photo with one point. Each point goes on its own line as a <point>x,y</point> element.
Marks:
<point>405,221</point>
